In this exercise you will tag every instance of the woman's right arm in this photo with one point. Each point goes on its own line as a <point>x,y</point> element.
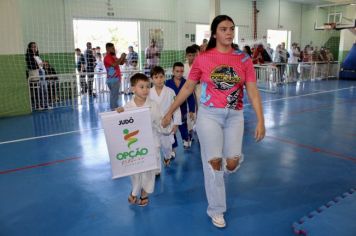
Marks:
<point>183,94</point>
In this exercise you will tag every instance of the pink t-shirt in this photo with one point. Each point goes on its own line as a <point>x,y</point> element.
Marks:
<point>222,77</point>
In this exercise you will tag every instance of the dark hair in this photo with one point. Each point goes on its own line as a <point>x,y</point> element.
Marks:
<point>29,50</point>
<point>190,49</point>
<point>214,25</point>
<point>177,64</point>
<point>77,50</point>
<point>138,77</point>
<point>248,50</point>
<point>156,70</point>
<point>196,47</point>
<point>109,45</point>
<point>98,54</point>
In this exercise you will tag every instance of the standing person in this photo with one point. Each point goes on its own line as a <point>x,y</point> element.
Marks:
<point>247,50</point>
<point>36,73</point>
<point>223,73</point>
<point>190,53</point>
<point>143,183</point>
<point>152,54</point>
<point>124,68</point>
<point>176,83</point>
<point>113,77</point>
<point>284,55</point>
<point>33,60</point>
<point>293,61</point>
<point>204,45</point>
<point>132,55</point>
<point>90,65</point>
<point>269,50</point>
<point>97,50</point>
<point>81,70</point>
<point>99,71</point>
<point>164,97</point>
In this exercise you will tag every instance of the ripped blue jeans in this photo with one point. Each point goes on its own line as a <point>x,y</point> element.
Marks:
<point>220,132</point>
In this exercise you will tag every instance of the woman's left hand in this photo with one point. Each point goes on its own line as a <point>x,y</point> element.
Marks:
<point>260,132</point>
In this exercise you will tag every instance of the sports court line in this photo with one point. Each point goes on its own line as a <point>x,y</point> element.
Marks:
<point>38,165</point>
<point>312,109</point>
<point>303,95</point>
<point>49,135</point>
<point>314,149</point>
<point>79,131</point>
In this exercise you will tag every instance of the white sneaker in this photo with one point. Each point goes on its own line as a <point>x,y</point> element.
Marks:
<point>218,221</point>
<point>186,144</point>
<point>173,155</point>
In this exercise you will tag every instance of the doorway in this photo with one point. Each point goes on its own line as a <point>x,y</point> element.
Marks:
<point>121,33</point>
<point>275,37</point>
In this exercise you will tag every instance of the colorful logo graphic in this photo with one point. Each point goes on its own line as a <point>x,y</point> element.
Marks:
<point>224,77</point>
<point>129,137</point>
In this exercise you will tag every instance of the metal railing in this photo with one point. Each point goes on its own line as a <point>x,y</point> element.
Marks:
<point>269,76</point>
<point>65,90</point>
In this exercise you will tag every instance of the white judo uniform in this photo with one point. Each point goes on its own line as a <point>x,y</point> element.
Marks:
<point>146,180</point>
<point>164,101</point>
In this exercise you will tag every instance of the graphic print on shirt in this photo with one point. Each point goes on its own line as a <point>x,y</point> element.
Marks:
<point>204,97</point>
<point>224,77</point>
<point>232,99</point>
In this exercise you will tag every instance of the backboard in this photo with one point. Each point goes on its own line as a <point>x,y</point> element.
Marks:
<point>335,16</point>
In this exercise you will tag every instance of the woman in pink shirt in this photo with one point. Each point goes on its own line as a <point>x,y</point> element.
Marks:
<point>223,72</point>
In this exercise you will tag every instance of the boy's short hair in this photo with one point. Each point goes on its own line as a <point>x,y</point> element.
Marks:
<point>197,47</point>
<point>156,70</point>
<point>177,64</point>
<point>77,49</point>
<point>190,49</point>
<point>138,77</point>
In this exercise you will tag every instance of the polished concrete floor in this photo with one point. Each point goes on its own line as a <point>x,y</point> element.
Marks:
<point>55,174</point>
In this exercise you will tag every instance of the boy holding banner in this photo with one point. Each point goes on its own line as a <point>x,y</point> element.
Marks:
<point>143,183</point>
<point>164,97</point>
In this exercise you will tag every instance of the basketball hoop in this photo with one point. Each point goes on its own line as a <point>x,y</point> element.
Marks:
<point>329,26</point>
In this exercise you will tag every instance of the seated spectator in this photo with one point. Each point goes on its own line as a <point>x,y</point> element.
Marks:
<point>49,70</point>
<point>52,85</point>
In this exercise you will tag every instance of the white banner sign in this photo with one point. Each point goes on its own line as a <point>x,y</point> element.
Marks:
<point>130,141</point>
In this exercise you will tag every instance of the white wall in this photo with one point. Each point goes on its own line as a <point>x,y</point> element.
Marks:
<point>49,22</point>
<point>43,22</point>
<point>11,41</point>
<point>242,13</point>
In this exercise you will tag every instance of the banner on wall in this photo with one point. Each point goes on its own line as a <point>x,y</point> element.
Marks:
<point>129,139</point>
<point>157,35</point>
